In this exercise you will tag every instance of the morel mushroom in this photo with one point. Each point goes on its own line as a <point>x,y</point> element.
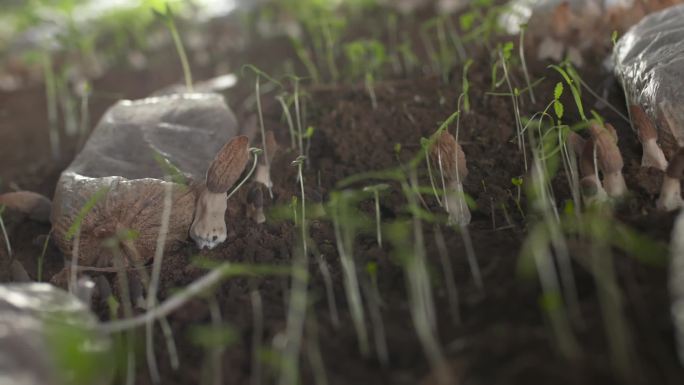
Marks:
<point>263,171</point>
<point>670,192</point>
<point>118,174</point>
<point>590,184</point>
<point>609,158</point>
<point>448,155</point>
<point>653,155</point>
<point>33,205</point>
<point>255,204</point>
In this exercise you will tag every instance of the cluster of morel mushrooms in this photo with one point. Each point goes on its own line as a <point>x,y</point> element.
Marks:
<point>598,155</point>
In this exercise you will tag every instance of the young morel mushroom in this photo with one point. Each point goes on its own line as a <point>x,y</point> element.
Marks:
<point>448,155</point>
<point>255,204</point>
<point>670,192</point>
<point>609,159</point>
<point>209,226</point>
<point>590,184</point>
<point>263,171</point>
<point>653,155</point>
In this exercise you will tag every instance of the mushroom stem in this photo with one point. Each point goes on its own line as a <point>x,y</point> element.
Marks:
<point>209,226</point>
<point>615,184</point>
<point>671,191</point>
<point>653,155</point>
<point>456,205</point>
<point>670,198</point>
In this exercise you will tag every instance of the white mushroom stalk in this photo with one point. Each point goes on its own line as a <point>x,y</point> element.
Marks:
<point>447,153</point>
<point>670,198</point>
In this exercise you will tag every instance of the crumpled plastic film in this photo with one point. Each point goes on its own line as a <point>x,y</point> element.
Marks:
<point>30,316</point>
<point>649,62</point>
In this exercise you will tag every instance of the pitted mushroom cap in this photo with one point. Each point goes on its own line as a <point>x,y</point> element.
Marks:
<point>271,146</point>
<point>452,156</point>
<point>644,126</point>
<point>576,143</point>
<point>607,151</point>
<point>228,165</point>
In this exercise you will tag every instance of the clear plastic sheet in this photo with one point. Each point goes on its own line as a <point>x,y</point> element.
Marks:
<point>649,62</point>
<point>28,314</point>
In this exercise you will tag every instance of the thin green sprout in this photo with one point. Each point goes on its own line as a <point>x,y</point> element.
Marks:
<point>521,52</point>
<point>168,19</point>
<point>255,152</point>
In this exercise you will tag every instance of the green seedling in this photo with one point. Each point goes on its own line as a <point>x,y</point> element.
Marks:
<point>169,20</point>
<point>466,86</point>
<point>452,291</point>
<point>366,58</point>
<point>346,225</point>
<point>374,301</point>
<point>521,51</point>
<point>257,94</point>
<point>255,153</point>
<point>8,246</point>
<point>305,58</point>
<point>376,190</point>
<point>296,315</point>
<point>518,182</point>
<point>288,118</point>
<point>51,96</point>
<point>425,144</point>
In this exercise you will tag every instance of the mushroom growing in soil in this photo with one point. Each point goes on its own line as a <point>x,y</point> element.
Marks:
<point>609,158</point>
<point>653,155</point>
<point>448,155</point>
<point>263,171</point>
<point>590,184</point>
<point>670,192</point>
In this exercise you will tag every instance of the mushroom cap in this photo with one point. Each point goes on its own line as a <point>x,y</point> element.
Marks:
<point>271,145</point>
<point>452,156</point>
<point>36,206</point>
<point>607,151</point>
<point>228,165</point>
<point>586,163</point>
<point>576,142</point>
<point>644,126</point>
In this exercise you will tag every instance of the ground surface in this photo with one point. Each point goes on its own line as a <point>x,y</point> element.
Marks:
<point>502,336</point>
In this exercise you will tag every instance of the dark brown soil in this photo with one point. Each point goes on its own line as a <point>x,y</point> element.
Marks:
<point>503,336</point>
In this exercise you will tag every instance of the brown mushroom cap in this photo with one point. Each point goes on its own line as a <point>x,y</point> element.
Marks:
<point>576,143</point>
<point>452,156</point>
<point>228,165</point>
<point>607,151</point>
<point>271,146</point>
<point>645,128</point>
<point>36,206</point>
<point>586,162</point>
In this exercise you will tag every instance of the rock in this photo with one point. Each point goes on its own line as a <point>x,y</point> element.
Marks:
<point>38,322</point>
<point>121,174</point>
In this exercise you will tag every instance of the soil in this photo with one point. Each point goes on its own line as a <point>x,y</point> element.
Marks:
<point>502,337</point>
